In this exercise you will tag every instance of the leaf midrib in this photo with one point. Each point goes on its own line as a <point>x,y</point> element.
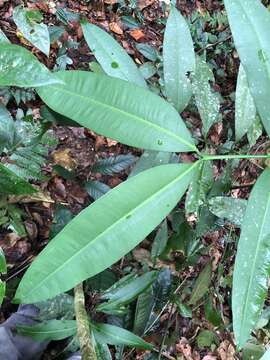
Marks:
<point>112,225</point>
<point>243,317</point>
<point>139,119</point>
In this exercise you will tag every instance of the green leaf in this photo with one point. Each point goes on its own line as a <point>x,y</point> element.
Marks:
<point>202,284</point>
<point>255,131</point>
<point>148,51</point>
<point>113,164</point>
<point>179,60</point>
<point>102,351</point>
<point>253,352</point>
<point>160,241</point>
<point>252,264</point>
<point>199,187</point>
<point>144,307</point>
<point>150,159</point>
<point>207,101</point>
<point>49,330</point>
<point>96,189</point>
<point>111,56</point>
<point>118,110</point>
<point>37,34</point>
<point>129,292</point>
<point>3,264</point>
<point>266,355</point>
<point>18,67</point>
<point>2,291</point>
<point>10,183</point>
<point>7,128</point>
<point>3,38</point>
<point>245,109</point>
<point>118,226</point>
<point>229,208</point>
<point>206,338</point>
<point>250,24</point>
<point>114,335</point>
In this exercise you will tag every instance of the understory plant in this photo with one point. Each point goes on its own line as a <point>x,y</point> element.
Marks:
<point>118,104</point>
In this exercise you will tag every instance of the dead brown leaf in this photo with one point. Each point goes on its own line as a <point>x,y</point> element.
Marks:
<point>137,34</point>
<point>116,28</point>
<point>64,159</point>
<point>226,351</point>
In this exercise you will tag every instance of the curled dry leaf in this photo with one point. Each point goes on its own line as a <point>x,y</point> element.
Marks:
<point>116,28</point>
<point>137,34</point>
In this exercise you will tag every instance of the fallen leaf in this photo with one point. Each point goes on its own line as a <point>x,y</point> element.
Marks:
<point>64,158</point>
<point>111,142</point>
<point>115,27</point>
<point>142,4</point>
<point>226,350</point>
<point>137,34</point>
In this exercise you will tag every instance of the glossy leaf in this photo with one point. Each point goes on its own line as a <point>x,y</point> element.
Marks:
<point>250,24</point>
<point>129,292</point>
<point>144,307</point>
<point>266,355</point>
<point>19,67</point>
<point>49,330</point>
<point>201,285</point>
<point>179,60</point>
<point>112,57</point>
<point>252,265</point>
<point>118,110</point>
<point>10,183</point>
<point>199,187</point>
<point>114,335</point>
<point>112,226</point>
<point>245,109</point>
<point>228,208</point>
<point>3,264</point>
<point>37,34</point>
<point>207,101</point>
<point>255,131</point>
<point>160,241</point>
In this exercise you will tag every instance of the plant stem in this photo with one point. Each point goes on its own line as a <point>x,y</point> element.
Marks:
<point>237,156</point>
<point>83,331</point>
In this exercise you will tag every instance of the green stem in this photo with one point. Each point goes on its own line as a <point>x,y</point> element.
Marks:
<point>228,157</point>
<point>83,331</point>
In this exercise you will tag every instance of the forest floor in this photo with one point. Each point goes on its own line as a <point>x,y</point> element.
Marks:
<point>205,331</point>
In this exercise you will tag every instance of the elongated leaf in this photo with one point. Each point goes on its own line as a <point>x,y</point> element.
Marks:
<point>3,38</point>
<point>200,185</point>
<point>3,264</point>
<point>118,110</point>
<point>245,109</point>
<point>113,164</point>
<point>114,335</point>
<point>2,291</point>
<point>18,67</point>
<point>7,128</point>
<point>49,330</point>
<point>112,225</point>
<point>179,59</point>
<point>266,355</point>
<point>228,208</point>
<point>144,307</point>
<point>128,293</point>
<point>207,101</point>
<point>201,285</point>
<point>111,56</point>
<point>252,265</point>
<point>250,24</point>
<point>160,241</point>
<point>37,34</point>
<point>10,183</point>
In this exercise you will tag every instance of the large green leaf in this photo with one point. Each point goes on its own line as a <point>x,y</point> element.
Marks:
<point>245,109</point>
<point>10,183</point>
<point>114,335</point>
<point>37,34</point>
<point>18,67</point>
<point>252,265</point>
<point>266,355</point>
<point>179,59</point>
<point>118,110</point>
<point>111,56</point>
<point>250,24</point>
<point>49,330</point>
<point>112,226</point>
<point>3,38</point>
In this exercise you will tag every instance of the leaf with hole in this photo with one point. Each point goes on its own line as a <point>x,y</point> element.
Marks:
<point>112,57</point>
